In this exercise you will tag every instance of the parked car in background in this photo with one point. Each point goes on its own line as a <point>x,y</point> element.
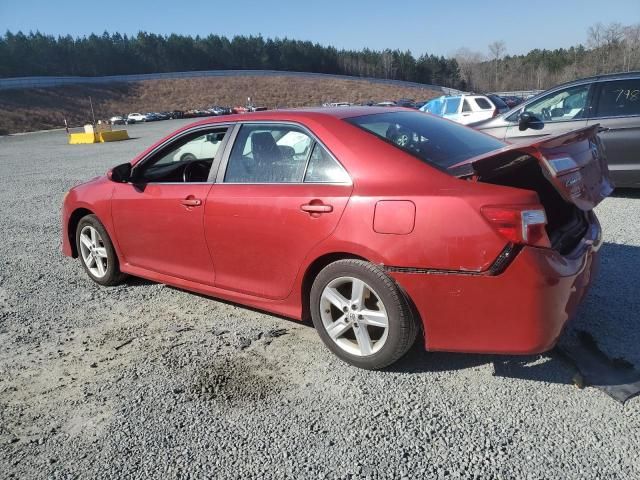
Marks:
<point>387,103</point>
<point>218,110</point>
<point>462,109</point>
<point>203,147</point>
<point>499,103</point>
<point>136,118</point>
<point>117,120</point>
<point>446,234</point>
<point>512,100</point>
<point>406,103</point>
<point>612,101</point>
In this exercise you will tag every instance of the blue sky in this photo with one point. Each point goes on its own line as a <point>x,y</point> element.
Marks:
<point>419,26</point>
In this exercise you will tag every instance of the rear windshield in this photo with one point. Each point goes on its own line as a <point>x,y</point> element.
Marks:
<point>433,140</point>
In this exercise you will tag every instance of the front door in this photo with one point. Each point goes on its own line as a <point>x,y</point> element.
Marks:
<point>158,217</point>
<point>280,194</point>
<point>558,112</point>
<point>618,111</point>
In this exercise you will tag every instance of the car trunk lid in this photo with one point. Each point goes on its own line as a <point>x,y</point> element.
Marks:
<point>574,163</point>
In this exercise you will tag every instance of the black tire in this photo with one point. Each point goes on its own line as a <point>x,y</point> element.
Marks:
<point>402,326</point>
<point>113,275</point>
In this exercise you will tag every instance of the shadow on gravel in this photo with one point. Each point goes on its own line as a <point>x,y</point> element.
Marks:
<point>609,317</point>
<point>626,193</point>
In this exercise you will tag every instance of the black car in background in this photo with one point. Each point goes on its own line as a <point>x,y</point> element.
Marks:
<point>500,104</point>
<point>612,101</point>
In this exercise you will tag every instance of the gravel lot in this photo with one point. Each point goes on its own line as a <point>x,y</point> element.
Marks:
<point>206,389</point>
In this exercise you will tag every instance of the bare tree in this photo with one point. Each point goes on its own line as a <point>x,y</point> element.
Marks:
<point>630,47</point>
<point>468,61</point>
<point>497,50</point>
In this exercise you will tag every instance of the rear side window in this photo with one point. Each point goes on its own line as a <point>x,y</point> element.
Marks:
<point>323,168</point>
<point>483,103</point>
<point>431,139</point>
<point>619,98</point>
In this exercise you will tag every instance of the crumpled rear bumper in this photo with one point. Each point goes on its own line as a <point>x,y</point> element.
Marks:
<point>520,311</point>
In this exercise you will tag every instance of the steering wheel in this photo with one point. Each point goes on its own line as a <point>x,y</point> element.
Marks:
<point>195,171</point>
<point>546,114</point>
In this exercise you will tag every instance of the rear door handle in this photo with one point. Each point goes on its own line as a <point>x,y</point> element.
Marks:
<point>318,208</point>
<point>191,202</point>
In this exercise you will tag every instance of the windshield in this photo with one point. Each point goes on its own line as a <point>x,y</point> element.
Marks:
<point>433,140</point>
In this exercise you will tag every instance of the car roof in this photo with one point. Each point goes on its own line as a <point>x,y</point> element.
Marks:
<point>594,78</point>
<point>298,114</point>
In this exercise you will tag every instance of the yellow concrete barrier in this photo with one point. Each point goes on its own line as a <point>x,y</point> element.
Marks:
<point>113,135</point>
<point>98,137</point>
<point>77,138</point>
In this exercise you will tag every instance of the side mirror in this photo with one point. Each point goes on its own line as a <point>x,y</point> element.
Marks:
<point>121,173</point>
<point>524,121</point>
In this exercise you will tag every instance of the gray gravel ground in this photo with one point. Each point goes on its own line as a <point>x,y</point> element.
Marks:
<point>207,389</point>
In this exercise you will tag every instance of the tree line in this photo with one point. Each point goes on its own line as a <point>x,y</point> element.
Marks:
<point>115,54</point>
<point>609,48</point>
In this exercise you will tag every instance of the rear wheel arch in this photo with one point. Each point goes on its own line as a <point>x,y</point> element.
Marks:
<point>322,261</point>
<point>312,272</point>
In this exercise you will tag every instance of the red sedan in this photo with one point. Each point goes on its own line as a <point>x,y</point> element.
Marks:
<point>379,224</point>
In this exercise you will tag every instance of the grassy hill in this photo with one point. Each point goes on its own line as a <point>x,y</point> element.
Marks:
<point>38,109</point>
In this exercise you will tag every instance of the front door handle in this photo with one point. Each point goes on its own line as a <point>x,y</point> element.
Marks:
<point>317,208</point>
<point>191,202</point>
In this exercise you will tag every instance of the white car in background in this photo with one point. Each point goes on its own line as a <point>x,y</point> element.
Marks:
<point>204,147</point>
<point>463,109</point>
<point>136,117</point>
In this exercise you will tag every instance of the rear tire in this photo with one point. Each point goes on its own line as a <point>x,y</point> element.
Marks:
<point>96,252</point>
<point>361,314</point>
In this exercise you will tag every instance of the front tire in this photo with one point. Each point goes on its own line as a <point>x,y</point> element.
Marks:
<point>361,314</point>
<point>96,252</point>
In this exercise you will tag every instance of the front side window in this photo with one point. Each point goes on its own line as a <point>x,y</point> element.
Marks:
<point>269,154</point>
<point>431,139</point>
<point>188,159</point>
<point>465,106</point>
<point>567,104</point>
<point>619,98</point>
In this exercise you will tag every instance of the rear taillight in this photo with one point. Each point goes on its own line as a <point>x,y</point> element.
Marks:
<point>520,224</point>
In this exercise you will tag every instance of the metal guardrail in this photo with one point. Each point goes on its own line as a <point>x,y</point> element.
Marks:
<point>45,82</point>
<point>518,93</point>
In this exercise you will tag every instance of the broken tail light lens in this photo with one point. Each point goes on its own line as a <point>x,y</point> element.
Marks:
<point>519,224</point>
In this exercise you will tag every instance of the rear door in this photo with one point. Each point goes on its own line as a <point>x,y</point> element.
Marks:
<point>617,108</point>
<point>558,112</point>
<point>279,193</point>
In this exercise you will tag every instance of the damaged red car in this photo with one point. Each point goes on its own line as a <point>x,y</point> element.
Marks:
<point>382,225</point>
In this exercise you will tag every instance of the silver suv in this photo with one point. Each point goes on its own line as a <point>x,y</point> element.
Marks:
<point>613,101</point>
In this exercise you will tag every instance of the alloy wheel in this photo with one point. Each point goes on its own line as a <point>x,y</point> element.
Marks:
<point>354,316</point>
<point>93,251</point>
